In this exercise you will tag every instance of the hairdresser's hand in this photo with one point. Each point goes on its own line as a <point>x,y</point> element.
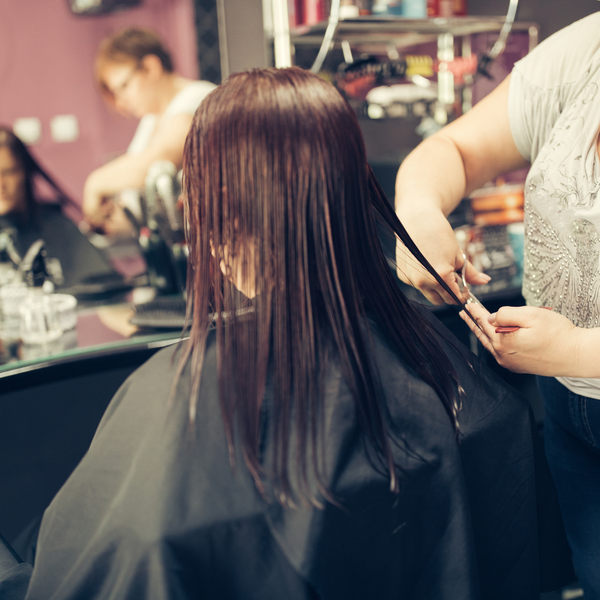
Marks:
<point>109,219</point>
<point>545,343</point>
<point>434,237</point>
<point>97,207</point>
<point>117,224</point>
<point>99,215</point>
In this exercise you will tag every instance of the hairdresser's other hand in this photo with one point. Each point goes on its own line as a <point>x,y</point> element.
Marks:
<point>545,343</point>
<point>117,224</point>
<point>97,207</point>
<point>435,238</point>
<point>109,219</point>
<point>99,215</point>
<point>101,210</point>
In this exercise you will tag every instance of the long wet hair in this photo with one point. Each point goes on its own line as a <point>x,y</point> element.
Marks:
<point>33,171</point>
<point>278,189</point>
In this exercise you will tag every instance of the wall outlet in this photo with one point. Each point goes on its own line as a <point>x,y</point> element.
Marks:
<point>28,129</point>
<point>64,128</point>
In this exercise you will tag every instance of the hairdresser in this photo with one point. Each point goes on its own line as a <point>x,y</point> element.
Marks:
<point>545,115</point>
<point>135,73</point>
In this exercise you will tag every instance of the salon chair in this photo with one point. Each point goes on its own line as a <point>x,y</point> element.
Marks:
<point>49,413</point>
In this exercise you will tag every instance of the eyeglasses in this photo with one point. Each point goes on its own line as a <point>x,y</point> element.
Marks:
<point>119,90</point>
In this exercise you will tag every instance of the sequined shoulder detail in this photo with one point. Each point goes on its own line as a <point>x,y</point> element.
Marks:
<point>561,268</point>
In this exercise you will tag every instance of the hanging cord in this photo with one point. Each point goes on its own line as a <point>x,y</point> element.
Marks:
<point>498,48</point>
<point>500,44</point>
<point>334,18</point>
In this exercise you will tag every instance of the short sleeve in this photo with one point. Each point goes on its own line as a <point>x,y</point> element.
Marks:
<point>188,100</point>
<point>532,113</point>
<point>143,134</point>
<point>544,82</point>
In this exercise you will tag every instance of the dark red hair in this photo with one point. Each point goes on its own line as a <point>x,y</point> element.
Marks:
<point>275,161</point>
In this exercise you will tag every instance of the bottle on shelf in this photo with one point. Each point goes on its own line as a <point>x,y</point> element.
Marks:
<point>39,323</point>
<point>446,8</point>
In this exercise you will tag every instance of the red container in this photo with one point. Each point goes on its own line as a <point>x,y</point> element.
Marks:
<point>293,14</point>
<point>308,12</point>
<point>446,8</point>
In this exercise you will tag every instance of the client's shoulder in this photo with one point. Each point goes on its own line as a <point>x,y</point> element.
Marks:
<point>483,398</point>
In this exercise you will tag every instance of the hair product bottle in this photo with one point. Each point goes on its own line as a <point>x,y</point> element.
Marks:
<point>39,322</point>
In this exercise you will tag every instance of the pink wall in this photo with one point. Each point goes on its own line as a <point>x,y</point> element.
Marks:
<point>46,58</point>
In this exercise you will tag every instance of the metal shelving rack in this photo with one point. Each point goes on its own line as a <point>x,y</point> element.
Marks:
<point>405,32</point>
<point>382,35</point>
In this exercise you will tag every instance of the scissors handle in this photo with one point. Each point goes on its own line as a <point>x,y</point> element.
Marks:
<point>462,283</point>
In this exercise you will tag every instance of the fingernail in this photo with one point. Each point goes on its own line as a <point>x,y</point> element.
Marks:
<point>547,307</point>
<point>506,329</point>
<point>484,277</point>
<point>492,317</point>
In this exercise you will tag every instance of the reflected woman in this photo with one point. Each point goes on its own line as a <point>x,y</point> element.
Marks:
<point>72,258</point>
<point>322,438</point>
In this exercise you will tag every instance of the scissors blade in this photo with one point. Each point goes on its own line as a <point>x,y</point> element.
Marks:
<point>463,286</point>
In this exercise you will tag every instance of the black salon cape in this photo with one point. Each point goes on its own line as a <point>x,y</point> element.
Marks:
<point>154,510</point>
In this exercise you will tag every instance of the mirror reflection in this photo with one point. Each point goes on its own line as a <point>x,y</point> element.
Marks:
<point>91,166</point>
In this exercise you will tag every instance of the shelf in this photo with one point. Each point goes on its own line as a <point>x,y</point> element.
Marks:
<point>382,29</point>
<point>449,42</point>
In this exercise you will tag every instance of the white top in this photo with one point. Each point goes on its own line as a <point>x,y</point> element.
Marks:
<point>554,112</point>
<point>184,103</point>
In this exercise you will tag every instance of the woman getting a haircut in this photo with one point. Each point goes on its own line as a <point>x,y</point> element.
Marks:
<point>324,437</point>
<point>27,217</point>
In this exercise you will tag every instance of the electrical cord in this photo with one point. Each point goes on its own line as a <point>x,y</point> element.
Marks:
<point>485,60</point>
<point>334,19</point>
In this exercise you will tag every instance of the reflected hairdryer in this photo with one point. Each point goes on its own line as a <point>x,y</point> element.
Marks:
<point>161,235</point>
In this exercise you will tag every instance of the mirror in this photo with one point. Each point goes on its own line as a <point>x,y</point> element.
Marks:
<point>48,94</point>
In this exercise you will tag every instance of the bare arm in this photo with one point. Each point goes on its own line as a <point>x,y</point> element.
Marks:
<point>441,171</point>
<point>129,171</point>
